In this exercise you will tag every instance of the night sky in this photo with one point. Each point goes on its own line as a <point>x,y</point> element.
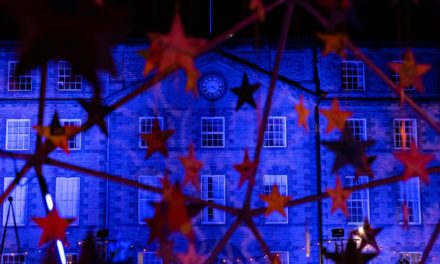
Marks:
<point>402,22</point>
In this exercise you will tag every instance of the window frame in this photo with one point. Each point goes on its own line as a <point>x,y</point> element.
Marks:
<point>411,252</point>
<point>350,199</point>
<point>218,200</point>
<point>15,254</point>
<point>21,221</point>
<point>28,74</point>
<point>76,196</point>
<point>401,199</point>
<point>284,132</point>
<point>395,135</point>
<point>148,200</point>
<point>202,133</point>
<point>77,137</point>
<point>140,257</point>
<point>364,125</point>
<point>149,118</point>
<point>7,140</point>
<point>74,82</point>
<point>349,86</point>
<point>278,219</point>
<point>72,255</point>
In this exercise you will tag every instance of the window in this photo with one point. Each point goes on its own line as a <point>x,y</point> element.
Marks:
<point>213,132</point>
<point>353,76</point>
<point>409,193</point>
<point>275,134</point>
<point>19,202</point>
<point>67,197</point>
<point>283,256</point>
<point>71,258</point>
<point>18,82</point>
<point>405,131</point>
<point>412,257</point>
<point>146,127</point>
<point>148,258</point>
<point>74,143</point>
<point>17,134</point>
<point>395,78</point>
<point>213,190</point>
<point>146,210</point>
<point>357,128</point>
<point>13,258</point>
<point>67,81</point>
<point>281,181</point>
<point>358,204</point>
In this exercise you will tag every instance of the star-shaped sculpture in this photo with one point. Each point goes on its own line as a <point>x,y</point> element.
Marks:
<point>57,134</point>
<point>275,201</point>
<point>258,7</point>
<point>245,92</point>
<point>96,113</point>
<point>367,235</point>
<point>192,167</point>
<point>156,140</point>
<point>54,227</point>
<point>246,169</point>
<point>410,72</point>
<point>351,255</point>
<point>335,117</point>
<point>174,49</point>
<point>414,163</point>
<point>350,152</point>
<point>334,43</point>
<point>303,113</point>
<point>339,197</point>
<point>191,256</point>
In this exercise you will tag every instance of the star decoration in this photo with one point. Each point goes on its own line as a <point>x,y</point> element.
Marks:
<point>54,227</point>
<point>335,117</point>
<point>410,72</point>
<point>192,168</point>
<point>275,201</point>
<point>156,140</point>
<point>246,169</point>
<point>258,7</point>
<point>96,112</point>
<point>350,152</point>
<point>166,251</point>
<point>245,92</point>
<point>334,43</point>
<point>191,256</point>
<point>303,113</point>
<point>56,133</point>
<point>414,163</point>
<point>367,235</point>
<point>368,172</point>
<point>174,49</point>
<point>339,197</point>
<point>351,255</point>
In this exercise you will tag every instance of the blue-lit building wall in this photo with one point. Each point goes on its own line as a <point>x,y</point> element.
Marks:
<point>303,72</point>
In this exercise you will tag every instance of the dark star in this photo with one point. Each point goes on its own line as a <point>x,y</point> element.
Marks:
<point>369,160</point>
<point>96,113</point>
<point>350,152</point>
<point>351,255</point>
<point>245,92</point>
<point>367,235</point>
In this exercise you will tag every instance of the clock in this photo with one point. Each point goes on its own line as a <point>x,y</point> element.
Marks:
<point>212,86</point>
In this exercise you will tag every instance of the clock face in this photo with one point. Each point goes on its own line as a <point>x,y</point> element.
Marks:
<point>212,86</point>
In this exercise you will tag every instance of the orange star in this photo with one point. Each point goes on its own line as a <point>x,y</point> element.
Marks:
<point>192,168</point>
<point>410,72</point>
<point>336,117</point>
<point>57,134</point>
<point>339,197</point>
<point>414,163</point>
<point>246,169</point>
<point>191,256</point>
<point>156,140</point>
<point>258,7</point>
<point>174,49</point>
<point>275,201</point>
<point>303,113</point>
<point>334,43</point>
<point>54,227</point>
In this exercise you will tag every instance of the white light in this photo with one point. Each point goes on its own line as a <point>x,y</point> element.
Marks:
<point>49,201</point>
<point>361,231</point>
<point>61,252</point>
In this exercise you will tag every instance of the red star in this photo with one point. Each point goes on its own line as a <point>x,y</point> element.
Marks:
<point>246,169</point>
<point>334,43</point>
<point>54,227</point>
<point>414,163</point>
<point>336,117</point>
<point>174,49</point>
<point>192,168</point>
<point>339,197</point>
<point>258,7</point>
<point>303,113</point>
<point>156,140</point>
<point>275,201</point>
<point>191,256</point>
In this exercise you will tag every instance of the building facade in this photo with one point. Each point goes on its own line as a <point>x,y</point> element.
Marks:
<point>292,157</point>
